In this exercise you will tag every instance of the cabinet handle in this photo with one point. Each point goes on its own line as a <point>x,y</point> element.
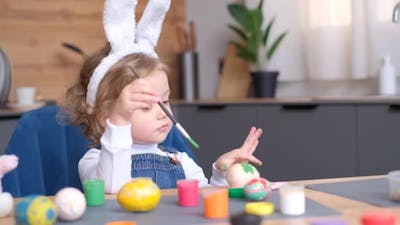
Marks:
<point>394,107</point>
<point>211,107</point>
<point>299,107</point>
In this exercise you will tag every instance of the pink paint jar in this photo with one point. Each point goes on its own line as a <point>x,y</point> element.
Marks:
<point>188,192</point>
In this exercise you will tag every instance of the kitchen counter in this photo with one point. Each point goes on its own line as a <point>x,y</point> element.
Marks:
<point>18,111</point>
<point>295,100</point>
<point>13,111</point>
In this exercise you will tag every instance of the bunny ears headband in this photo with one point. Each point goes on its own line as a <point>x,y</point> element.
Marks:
<point>125,38</point>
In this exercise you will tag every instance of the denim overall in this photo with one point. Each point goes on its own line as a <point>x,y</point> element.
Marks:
<point>163,170</point>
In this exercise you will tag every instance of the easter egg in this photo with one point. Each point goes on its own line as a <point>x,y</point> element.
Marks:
<point>6,203</point>
<point>35,209</point>
<point>257,189</point>
<point>239,174</point>
<point>70,203</point>
<point>139,194</point>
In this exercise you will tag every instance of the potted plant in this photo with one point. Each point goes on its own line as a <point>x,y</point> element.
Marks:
<point>256,47</point>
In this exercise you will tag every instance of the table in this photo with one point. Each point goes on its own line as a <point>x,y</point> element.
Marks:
<point>351,210</point>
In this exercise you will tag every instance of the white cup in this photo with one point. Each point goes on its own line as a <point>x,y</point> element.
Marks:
<point>25,95</point>
<point>292,199</point>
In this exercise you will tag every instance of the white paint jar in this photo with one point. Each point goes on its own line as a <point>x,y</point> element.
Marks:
<point>292,199</point>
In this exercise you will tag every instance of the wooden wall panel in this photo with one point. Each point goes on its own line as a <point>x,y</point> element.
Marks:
<point>31,32</point>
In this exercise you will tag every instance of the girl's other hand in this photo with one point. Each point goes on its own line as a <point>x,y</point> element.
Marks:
<point>242,154</point>
<point>136,95</point>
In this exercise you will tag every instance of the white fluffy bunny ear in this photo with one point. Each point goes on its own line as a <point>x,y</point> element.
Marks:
<point>120,28</point>
<point>119,23</point>
<point>150,24</point>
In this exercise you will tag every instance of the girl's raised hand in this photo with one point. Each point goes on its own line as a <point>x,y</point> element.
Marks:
<point>242,154</point>
<point>136,95</point>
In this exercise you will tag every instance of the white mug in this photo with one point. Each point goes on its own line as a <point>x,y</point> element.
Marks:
<point>25,95</point>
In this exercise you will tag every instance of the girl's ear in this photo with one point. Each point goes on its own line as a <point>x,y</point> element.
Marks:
<point>150,24</point>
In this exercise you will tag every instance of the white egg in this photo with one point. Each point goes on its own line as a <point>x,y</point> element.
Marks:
<point>239,174</point>
<point>70,203</point>
<point>6,204</point>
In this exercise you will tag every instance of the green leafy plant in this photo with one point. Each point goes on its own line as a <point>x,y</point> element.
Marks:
<point>255,46</point>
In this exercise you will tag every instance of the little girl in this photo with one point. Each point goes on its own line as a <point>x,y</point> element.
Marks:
<point>119,112</point>
<point>129,125</point>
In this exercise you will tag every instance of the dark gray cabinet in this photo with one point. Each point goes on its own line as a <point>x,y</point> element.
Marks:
<point>307,141</point>
<point>216,128</point>
<point>7,126</point>
<point>378,135</point>
<point>300,141</point>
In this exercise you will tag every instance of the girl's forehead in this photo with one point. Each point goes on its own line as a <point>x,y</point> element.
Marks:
<point>159,80</point>
<point>157,76</point>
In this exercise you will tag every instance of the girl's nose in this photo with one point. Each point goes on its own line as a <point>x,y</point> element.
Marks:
<point>160,113</point>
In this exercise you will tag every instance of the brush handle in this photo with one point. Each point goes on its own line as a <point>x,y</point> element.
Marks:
<point>170,116</point>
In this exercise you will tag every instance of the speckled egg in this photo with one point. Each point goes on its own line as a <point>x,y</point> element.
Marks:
<point>139,195</point>
<point>239,174</point>
<point>6,203</point>
<point>70,203</point>
<point>257,189</point>
<point>35,209</point>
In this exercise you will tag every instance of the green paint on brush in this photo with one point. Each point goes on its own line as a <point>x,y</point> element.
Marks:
<point>193,143</point>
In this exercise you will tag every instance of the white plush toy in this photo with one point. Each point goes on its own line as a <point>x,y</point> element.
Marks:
<point>125,38</point>
<point>7,163</point>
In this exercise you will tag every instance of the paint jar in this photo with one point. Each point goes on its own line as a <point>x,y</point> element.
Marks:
<point>94,192</point>
<point>188,192</point>
<point>394,185</point>
<point>329,222</point>
<point>216,203</point>
<point>379,218</point>
<point>292,199</point>
<point>121,223</point>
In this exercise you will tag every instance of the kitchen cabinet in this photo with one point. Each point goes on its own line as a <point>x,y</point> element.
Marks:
<point>300,141</point>
<point>7,125</point>
<point>216,128</point>
<point>378,135</point>
<point>307,141</point>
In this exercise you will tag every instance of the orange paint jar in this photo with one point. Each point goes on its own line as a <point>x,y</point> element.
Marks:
<point>216,203</point>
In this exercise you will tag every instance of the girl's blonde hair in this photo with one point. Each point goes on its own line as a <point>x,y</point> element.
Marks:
<point>91,119</point>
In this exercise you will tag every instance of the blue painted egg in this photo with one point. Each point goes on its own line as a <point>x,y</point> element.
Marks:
<point>35,209</point>
<point>257,189</point>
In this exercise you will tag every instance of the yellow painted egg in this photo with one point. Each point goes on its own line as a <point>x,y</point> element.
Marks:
<point>239,174</point>
<point>139,195</point>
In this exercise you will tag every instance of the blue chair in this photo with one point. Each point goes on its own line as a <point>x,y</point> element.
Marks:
<point>49,152</point>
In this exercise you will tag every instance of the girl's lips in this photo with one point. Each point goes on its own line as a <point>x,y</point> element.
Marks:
<point>163,128</point>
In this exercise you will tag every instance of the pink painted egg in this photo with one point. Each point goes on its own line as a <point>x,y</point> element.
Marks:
<point>257,189</point>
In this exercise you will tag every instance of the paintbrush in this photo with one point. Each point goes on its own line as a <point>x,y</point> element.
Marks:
<point>172,118</point>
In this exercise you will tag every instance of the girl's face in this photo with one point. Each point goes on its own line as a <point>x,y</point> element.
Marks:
<point>151,125</point>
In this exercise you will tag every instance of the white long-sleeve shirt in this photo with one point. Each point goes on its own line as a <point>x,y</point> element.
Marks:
<point>113,162</point>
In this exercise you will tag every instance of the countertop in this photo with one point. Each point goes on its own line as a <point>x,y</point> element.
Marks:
<point>393,100</point>
<point>14,111</point>
<point>295,100</point>
<point>350,210</point>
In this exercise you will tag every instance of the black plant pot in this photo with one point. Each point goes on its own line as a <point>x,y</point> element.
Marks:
<point>264,83</point>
